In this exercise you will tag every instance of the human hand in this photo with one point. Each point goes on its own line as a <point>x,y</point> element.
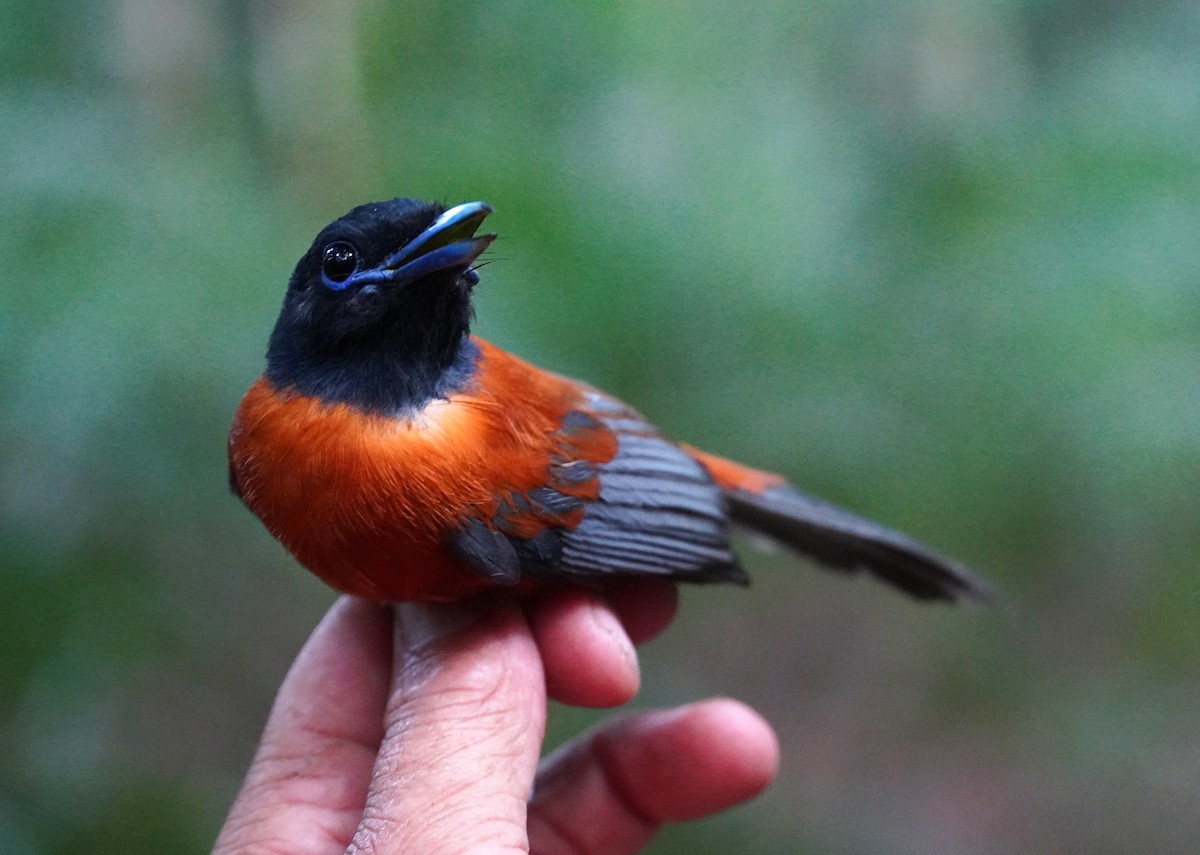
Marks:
<point>421,734</point>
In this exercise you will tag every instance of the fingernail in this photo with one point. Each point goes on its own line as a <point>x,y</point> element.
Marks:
<point>421,624</point>
<point>608,623</point>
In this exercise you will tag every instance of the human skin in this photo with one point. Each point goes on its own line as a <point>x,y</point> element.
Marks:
<point>418,728</point>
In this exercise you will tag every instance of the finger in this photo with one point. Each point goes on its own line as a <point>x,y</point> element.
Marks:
<point>609,791</point>
<point>644,606</point>
<point>463,727</point>
<point>307,784</point>
<point>589,658</point>
<point>586,638</point>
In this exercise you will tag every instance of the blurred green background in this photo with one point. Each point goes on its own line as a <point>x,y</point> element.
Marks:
<point>934,260</point>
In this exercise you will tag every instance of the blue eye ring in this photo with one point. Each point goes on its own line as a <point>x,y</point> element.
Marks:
<point>338,263</point>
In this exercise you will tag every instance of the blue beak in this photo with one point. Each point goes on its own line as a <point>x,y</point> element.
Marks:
<point>448,243</point>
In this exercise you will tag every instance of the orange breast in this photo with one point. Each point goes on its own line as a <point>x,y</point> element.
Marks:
<point>369,502</point>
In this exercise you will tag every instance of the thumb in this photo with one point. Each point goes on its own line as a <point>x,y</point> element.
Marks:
<point>463,729</point>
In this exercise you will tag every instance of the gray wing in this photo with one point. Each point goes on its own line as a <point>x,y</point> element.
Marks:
<point>657,513</point>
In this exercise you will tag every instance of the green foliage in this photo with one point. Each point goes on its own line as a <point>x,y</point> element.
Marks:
<point>935,261</point>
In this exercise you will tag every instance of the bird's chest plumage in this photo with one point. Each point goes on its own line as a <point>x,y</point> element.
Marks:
<point>369,502</point>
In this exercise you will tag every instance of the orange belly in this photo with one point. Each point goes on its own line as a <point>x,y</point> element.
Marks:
<point>369,502</point>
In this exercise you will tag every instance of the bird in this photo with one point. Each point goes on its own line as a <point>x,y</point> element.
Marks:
<point>401,458</point>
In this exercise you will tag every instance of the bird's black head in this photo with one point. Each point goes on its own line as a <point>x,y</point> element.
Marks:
<point>377,311</point>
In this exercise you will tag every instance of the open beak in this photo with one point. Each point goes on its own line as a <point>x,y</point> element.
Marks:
<point>449,242</point>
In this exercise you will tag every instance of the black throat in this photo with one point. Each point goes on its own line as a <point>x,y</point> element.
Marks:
<point>393,372</point>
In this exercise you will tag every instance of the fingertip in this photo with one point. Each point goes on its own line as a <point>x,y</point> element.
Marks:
<point>589,658</point>
<point>741,742</point>
<point>344,659</point>
<point>615,786</point>
<point>692,761</point>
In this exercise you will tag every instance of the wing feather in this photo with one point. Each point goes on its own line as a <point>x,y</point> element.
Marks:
<point>659,512</point>
<point>652,509</point>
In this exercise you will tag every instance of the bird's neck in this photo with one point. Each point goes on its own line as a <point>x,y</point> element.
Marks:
<point>398,379</point>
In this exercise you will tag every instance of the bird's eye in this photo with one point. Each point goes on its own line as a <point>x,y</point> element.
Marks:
<point>338,264</point>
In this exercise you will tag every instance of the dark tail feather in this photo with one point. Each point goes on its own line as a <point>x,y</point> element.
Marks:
<point>846,542</point>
